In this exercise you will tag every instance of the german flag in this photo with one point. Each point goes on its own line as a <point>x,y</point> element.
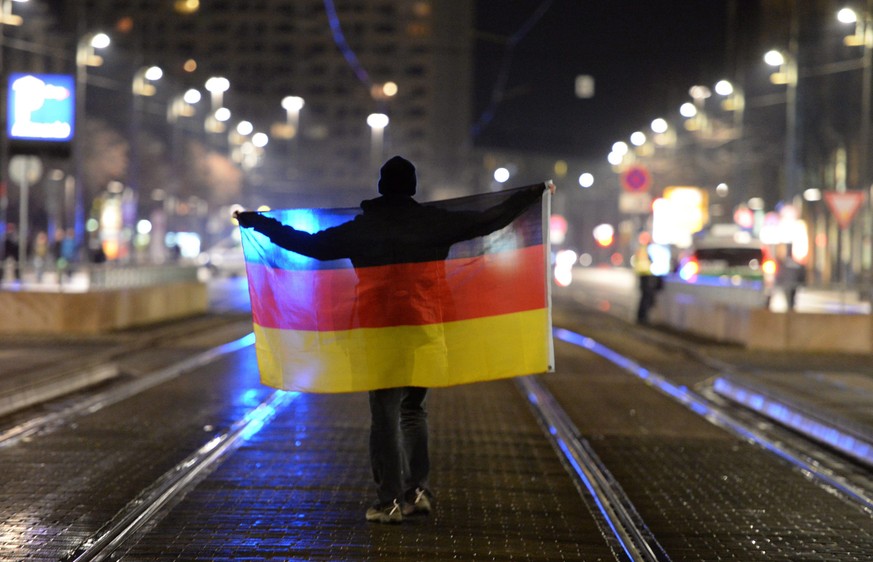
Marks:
<point>401,293</point>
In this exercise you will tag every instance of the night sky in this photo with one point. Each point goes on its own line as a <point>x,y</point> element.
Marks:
<point>643,55</point>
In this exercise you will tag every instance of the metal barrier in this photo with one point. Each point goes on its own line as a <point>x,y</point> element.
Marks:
<point>88,277</point>
<point>110,276</point>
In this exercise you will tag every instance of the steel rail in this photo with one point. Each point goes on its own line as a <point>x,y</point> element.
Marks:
<point>103,399</point>
<point>174,483</point>
<point>621,518</point>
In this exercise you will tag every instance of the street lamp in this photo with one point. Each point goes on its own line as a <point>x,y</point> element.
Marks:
<point>734,101</point>
<point>217,86</point>
<point>787,75</point>
<point>6,18</point>
<point>292,106</point>
<point>142,80</point>
<point>377,123</point>
<point>85,56</point>
<point>863,37</point>
<point>141,86</point>
<point>6,15</point>
<point>181,105</point>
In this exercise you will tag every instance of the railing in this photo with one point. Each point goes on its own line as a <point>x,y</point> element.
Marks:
<point>97,277</point>
<point>106,276</point>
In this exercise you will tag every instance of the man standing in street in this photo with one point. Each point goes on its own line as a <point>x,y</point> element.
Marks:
<point>395,230</point>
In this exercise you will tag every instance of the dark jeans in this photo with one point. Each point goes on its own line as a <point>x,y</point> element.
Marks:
<point>398,441</point>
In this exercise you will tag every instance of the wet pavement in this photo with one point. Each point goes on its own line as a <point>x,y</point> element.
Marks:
<point>297,488</point>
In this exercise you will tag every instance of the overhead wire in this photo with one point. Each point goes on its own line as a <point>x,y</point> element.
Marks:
<point>497,91</point>
<point>343,45</point>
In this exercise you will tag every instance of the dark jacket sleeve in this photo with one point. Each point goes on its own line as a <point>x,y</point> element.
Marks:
<point>328,244</point>
<point>500,215</point>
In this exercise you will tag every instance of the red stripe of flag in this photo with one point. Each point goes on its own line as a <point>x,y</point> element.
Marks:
<point>324,300</point>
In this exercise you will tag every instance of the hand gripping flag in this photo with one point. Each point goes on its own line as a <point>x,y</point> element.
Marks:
<point>401,293</point>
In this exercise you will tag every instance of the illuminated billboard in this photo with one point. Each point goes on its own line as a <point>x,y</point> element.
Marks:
<point>41,108</point>
<point>680,213</point>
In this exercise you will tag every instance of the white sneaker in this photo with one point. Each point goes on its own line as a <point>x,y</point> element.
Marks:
<point>419,502</point>
<point>390,513</point>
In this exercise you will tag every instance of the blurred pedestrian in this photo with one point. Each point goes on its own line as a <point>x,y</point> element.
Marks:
<point>41,254</point>
<point>99,255</point>
<point>790,276</point>
<point>395,228</point>
<point>10,253</point>
<point>66,252</point>
<point>649,284</point>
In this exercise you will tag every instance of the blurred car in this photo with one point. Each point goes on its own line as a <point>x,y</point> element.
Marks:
<point>728,261</point>
<point>226,257</point>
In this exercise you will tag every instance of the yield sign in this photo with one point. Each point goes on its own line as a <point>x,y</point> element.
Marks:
<point>844,205</point>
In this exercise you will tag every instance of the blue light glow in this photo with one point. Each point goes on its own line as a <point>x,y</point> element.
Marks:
<point>256,419</point>
<point>797,420</point>
<point>568,455</point>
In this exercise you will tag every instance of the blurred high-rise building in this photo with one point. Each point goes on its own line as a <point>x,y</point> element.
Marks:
<point>408,59</point>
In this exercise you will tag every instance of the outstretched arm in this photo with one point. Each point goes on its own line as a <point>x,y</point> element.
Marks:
<point>500,215</point>
<point>320,245</point>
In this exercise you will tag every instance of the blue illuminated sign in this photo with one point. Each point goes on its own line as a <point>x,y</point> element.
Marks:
<point>41,107</point>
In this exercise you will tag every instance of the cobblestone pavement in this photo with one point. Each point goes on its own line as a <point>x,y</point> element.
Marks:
<point>297,489</point>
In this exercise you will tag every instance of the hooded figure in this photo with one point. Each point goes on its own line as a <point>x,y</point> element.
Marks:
<point>398,248</point>
<point>397,178</point>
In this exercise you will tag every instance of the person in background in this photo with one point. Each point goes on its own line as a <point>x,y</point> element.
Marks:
<point>10,253</point>
<point>648,282</point>
<point>790,276</point>
<point>41,254</point>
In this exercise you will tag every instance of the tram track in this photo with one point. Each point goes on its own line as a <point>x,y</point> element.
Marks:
<point>827,470</point>
<point>174,483</point>
<point>84,376</point>
<point>593,478</point>
<point>95,401</point>
<point>832,469</point>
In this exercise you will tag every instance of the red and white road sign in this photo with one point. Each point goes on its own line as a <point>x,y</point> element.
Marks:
<point>636,179</point>
<point>844,205</point>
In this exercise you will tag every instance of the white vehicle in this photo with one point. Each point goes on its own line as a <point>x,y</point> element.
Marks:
<point>226,257</point>
<point>728,260</point>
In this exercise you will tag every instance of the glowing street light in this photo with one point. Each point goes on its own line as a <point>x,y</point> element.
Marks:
<point>659,126</point>
<point>6,15</point>
<point>292,106</point>
<point>688,110</point>
<point>245,128</point>
<point>217,85</point>
<point>181,106</point>
<point>222,114</point>
<point>142,80</point>
<point>847,15</point>
<point>260,140</point>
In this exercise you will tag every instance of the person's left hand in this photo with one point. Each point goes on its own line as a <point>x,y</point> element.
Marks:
<point>243,218</point>
<point>550,185</point>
